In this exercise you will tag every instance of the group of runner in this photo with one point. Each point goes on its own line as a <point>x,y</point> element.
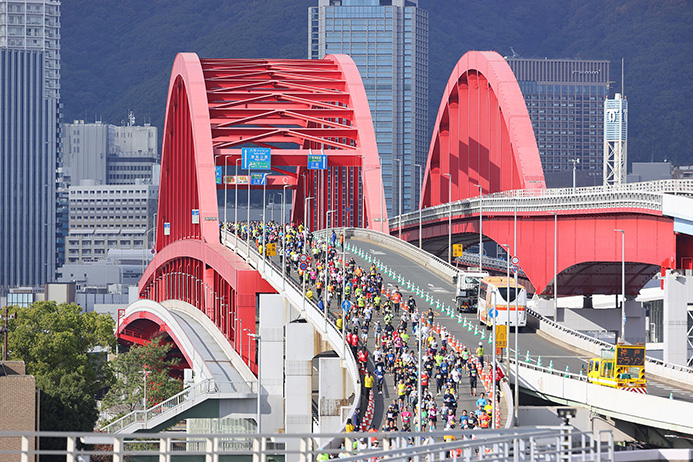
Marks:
<point>382,328</point>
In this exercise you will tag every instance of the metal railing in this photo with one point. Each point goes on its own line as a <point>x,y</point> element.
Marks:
<point>555,443</point>
<point>172,406</point>
<point>596,345</point>
<point>647,196</point>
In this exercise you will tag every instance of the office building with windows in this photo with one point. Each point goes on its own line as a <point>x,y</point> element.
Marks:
<point>565,99</point>
<point>388,41</point>
<point>33,209</point>
<point>106,217</point>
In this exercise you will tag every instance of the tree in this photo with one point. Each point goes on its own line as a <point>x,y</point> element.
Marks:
<point>127,393</point>
<point>65,350</point>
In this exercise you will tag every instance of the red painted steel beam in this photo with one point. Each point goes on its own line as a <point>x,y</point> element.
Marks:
<point>482,135</point>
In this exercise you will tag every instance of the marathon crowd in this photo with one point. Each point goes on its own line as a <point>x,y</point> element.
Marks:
<point>386,320</point>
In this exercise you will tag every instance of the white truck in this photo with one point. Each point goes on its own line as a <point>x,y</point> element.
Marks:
<point>467,296</point>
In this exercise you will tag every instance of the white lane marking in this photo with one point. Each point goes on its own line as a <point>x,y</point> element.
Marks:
<point>376,252</point>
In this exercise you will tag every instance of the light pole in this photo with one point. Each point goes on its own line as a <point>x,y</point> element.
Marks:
<point>235,199</point>
<point>284,234</point>
<point>493,373</point>
<point>623,284</point>
<point>250,180</point>
<point>420,186</point>
<point>226,189</point>
<point>305,212</point>
<point>327,248</point>
<point>258,343</point>
<point>555,267</point>
<point>419,398</point>
<point>264,223</point>
<point>507,301</point>
<point>575,163</point>
<point>449,177</point>
<point>517,327</point>
<point>481,226</point>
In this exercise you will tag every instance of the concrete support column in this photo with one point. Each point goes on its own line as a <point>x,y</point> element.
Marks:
<point>332,392</point>
<point>678,292</point>
<point>300,341</point>
<point>274,314</point>
<point>635,322</point>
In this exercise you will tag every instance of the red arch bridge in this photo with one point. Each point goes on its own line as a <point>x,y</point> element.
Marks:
<point>483,159</point>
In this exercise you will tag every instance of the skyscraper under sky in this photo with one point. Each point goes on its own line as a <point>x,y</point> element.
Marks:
<point>388,41</point>
<point>31,240</point>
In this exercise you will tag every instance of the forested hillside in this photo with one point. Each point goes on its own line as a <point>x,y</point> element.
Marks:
<point>117,54</point>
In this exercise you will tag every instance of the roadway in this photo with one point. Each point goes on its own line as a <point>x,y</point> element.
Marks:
<point>539,345</point>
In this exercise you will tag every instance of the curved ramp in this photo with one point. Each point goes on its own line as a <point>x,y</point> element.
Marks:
<point>219,373</point>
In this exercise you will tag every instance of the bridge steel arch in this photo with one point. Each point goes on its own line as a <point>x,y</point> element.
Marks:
<point>215,108</point>
<point>482,135</point>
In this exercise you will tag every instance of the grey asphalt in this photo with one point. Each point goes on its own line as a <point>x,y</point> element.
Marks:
<point>538,345</point>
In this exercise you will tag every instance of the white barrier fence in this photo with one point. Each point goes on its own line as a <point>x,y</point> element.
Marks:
<point>654,411</point>
<point>655,367</point>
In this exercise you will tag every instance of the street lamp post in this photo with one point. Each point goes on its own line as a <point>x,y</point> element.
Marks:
<point>481,226</point>
<point>555,267</point>
<point>264,222</point>
<point>284,234</point>
<point>235,199</point>
<point>493,373</point>
<point>623,284</point>
<point>449,177</point>
<point>575,163</point>
<point>226,189</point>
<point>258,342</point>
<point>305,212</point>
<point>250,180</point>
<point>517,327</point>
<point>507,301</point>
<point>327,249</point>
<point>420,186</point>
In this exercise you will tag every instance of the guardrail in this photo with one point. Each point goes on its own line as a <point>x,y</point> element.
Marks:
<point>646,195</point>
<point>275,276</point>
<point>643,409</point>
<point>505,202</point>
<point>656,367</point>
<point>425,259</point>
<point>551,443</point>
<point>171,406</point>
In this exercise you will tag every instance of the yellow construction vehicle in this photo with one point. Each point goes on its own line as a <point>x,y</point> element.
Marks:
<point>622,367</point>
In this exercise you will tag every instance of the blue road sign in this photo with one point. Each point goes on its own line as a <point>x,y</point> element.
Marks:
<point>493,312</point>
<point>317,161</point>
<point>256,158</point>
<point>514,269</point>
<point>196,216</point>
<point>346,305</point>
<point>218,175</point>
<point>258,179</point>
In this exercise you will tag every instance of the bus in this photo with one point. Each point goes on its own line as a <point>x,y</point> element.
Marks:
<point>622,367</point>
<point>493,293</point>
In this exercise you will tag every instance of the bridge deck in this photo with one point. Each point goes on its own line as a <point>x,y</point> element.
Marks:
<point>537,343</point>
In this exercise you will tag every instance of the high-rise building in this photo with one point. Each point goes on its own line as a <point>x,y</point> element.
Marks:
<point>388,41</point>
<point>565,100</point>
<point>33,212</point>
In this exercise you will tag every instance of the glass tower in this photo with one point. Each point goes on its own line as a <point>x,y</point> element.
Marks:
<point>388,41</point>
<point>565,100</point>
<point>33,200</point>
